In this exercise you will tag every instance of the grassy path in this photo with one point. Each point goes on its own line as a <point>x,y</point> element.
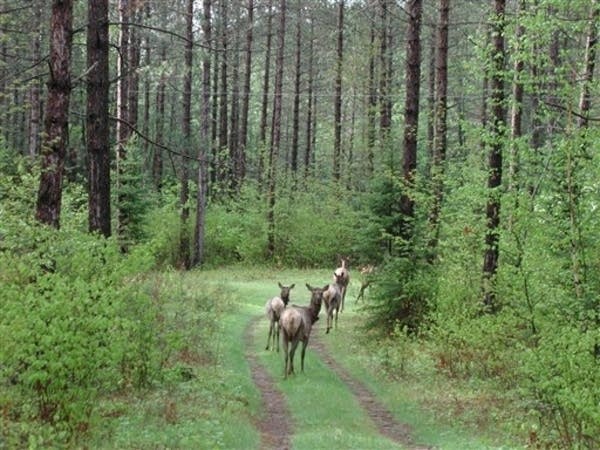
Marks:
<point>235,397</point>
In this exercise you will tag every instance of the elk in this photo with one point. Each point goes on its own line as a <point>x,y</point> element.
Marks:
<point>273,310</point>
<point>296,323</point>
<point>341,276</point>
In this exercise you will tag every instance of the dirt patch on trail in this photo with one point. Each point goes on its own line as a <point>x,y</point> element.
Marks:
<point>274,424</point>
<point>380,415</point>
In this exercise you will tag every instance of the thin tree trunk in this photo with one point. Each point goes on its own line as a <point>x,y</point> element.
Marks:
<point>385,117</point>
<point>205,138</point>
<point>184,240</point>
<point>498,126</point>
<point>236,157</point>
<point>98,130</point>
<point>147,62</point>
<point>310,106</point>
<point>157,160</point>
<point>56,123</point>
<point>296,107</point>
<point>265,98</point>
<point>214,125</point>
<point>371,105</point>
<point>440,136</point>
<point>122,129</point>
<point>516,116</point>
<point>224,87</point>
<point>411,113</point>
<point>35,113</point>
<point>246,87</point>
<point>578,264</point>
<point>276,132</point>
<point>337,105</point>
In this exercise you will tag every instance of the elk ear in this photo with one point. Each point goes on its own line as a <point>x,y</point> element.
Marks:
<point>309,287</point>
<point>292,286</point>
<point>279,284</point>
<point>326,287</point>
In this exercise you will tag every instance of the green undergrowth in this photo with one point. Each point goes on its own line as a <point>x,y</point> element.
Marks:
<point>448,414</point>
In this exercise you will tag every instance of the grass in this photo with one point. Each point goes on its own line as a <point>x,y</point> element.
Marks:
<point>215,406</point>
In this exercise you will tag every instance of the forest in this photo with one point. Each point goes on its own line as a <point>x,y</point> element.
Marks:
<point>153,151</point>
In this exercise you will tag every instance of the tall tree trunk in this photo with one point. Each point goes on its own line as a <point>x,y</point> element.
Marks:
<point>205,137</point>
<point>123,130</point>
<point>157,157</point>
<point>134,65</point>
<point>214,124</point>
<point>247,81</point>
<point>385,77</point>
<point>371,105</point>
<point>337,106</point>
<point>236,157</point>
<point>265,98</point>
<point>497,131</point>
<point>184,240</point>
<point>309,108</point>
<point>147,77</point>
<point>414,8</point>
<point>578,264</point>
<point>56,123</point>
<point>224,89</point>
<point>35,112</point>
<point>98,131</point>
<point>296,107</point>
<point>276,131</point>
<point>441,106</point>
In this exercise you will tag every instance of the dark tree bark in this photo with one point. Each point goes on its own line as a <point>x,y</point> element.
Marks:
<point>337,105</point>
<point>265,97</point>
<point>276,131</point>
<point>214,124</point>
<point>237,160</point>
<point>184,240</point>
<point>246,87</point>
<point>310,100</point>
<point>385,78</point>
<point>411,113</point>
<point>224,87</point>
<point>296,107</point>
<point>371,105</point>
<point>498,127</point>
<point>205,138</point>
<point>157,157</point>
<point>56,123</point>
<point>134,65</point>
<point>98,131</point>
<point>441,106</point>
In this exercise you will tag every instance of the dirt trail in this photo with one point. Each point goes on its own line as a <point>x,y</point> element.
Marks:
<point>380,415</point>
<point>275,424</point>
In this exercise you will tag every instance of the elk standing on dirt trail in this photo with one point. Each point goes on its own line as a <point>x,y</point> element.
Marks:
<point>273,309</point>
<point>341,276</point>
<point>332,298</point>
<point>296,323</point>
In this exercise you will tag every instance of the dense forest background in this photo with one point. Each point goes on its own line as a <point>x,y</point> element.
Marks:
<point>452,145</point>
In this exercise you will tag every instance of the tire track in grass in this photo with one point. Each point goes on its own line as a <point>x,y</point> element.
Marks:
<point>380,415</point>
<point>274,423</point>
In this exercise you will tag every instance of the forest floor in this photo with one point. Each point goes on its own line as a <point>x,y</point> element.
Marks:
<point>275,426</point>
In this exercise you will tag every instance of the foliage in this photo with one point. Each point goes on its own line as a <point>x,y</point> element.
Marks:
<point>75,323</point>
